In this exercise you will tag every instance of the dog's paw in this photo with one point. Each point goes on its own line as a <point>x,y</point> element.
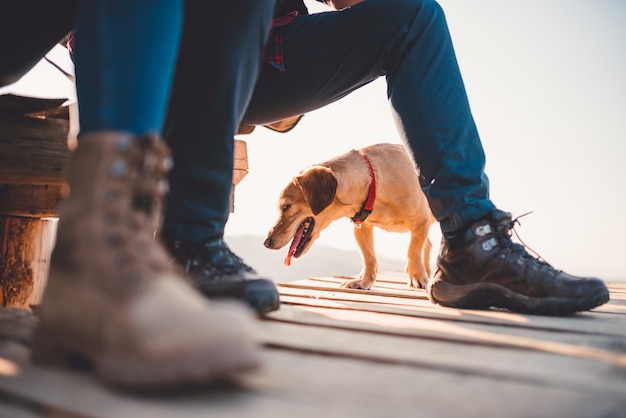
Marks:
<point>357,284</point>
<point>418,282</point>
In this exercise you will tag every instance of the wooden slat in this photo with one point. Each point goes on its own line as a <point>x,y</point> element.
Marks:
<point>338,299</point>
<point>33,151</point>
<point>382,353</point>
<point>596,346</point>
<point>30,200</point>
<point>302,384</point>
<point>343,387</point>
<point>376,290</point>
<point>568,371</point>
<point>20,105</point>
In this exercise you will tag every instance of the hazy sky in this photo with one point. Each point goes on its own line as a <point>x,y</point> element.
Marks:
<point>546,85</point>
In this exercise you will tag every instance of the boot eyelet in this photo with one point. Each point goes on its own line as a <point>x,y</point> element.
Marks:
<point>113,239</point>
<point>120,260</point>
<point>123,144</point>
<point>109,195</point>
<point>118,168</point>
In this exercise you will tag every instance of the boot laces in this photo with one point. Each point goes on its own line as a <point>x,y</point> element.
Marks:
<point>145,167</point>
<point>152,183</point>
<point>504,233</point>
<point>219,259</point>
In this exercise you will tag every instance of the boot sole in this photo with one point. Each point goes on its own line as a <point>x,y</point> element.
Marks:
<point>486,295</point>
<point>147,374</point>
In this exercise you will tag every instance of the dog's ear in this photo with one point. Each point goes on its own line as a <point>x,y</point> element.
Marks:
<point>318,185</point>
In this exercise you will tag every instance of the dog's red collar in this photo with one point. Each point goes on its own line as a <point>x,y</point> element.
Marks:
<point>367,206</point>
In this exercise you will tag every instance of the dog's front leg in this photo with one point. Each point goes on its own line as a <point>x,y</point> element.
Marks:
<point>418,258</point>
<point>365,238</point>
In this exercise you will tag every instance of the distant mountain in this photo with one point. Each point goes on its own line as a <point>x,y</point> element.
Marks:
<point>320,261</point>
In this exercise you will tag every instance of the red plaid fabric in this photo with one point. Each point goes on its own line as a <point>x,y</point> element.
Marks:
<point>287,12</point>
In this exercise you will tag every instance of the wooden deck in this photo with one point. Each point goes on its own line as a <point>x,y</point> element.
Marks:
<point>387,352</point>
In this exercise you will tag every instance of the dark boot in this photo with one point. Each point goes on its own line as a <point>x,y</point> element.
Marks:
<point>486,269</point>
<point>218,273</point>
<point>113,298</point>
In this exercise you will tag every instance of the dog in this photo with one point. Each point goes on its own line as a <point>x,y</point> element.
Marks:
<point>376,186</point>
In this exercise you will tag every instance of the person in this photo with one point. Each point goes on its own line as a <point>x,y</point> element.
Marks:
<point>312,60</point>
<point>114,299</point>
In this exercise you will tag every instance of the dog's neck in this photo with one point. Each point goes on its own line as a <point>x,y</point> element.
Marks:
<point>368,204</point>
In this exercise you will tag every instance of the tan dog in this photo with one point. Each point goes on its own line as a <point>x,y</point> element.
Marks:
<point>342,187</point>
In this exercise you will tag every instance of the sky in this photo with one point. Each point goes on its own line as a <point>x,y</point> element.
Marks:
<point>547,87</point>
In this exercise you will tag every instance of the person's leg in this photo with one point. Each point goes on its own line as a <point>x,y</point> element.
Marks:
<point>329,55</point>
<point>124,63</point>
<point>113,297</point>
<point>217,68</point>
<point>203,115</point>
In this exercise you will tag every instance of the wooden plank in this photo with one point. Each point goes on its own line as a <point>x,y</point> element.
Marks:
<point>343,387</point>
<point>28,200</point>
<point>395,281</point>
<point>33,151</point>
<point>350,295</point>
<point>598,346</point>
<point>584,322</point>
<point>417,297</point>
<point>20,105</point>
<point>394,284</point>
<point>377,291</point>
<point>301,384</point>
<point>574,373</point>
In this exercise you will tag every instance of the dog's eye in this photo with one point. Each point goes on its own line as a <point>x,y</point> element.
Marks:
<point>285,208</point>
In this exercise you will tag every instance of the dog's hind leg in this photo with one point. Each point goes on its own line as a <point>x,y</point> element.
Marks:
<point>365,238</point>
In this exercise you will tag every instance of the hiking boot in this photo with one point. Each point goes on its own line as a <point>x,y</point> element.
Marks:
<point>488,270</point>
<point>218,273</point>
<point>114,301</point>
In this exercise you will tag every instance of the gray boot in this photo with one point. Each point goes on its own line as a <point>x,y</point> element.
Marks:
<point>113,298</point>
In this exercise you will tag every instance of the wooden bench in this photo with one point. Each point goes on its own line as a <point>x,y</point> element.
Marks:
<point>33,153</point>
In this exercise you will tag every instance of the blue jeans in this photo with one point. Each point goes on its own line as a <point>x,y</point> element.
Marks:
<point>125,54</point>
<point>329,55</point>
<point>218,64</point>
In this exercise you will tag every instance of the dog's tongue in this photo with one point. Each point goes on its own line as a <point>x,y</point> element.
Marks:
<point>294,244</point>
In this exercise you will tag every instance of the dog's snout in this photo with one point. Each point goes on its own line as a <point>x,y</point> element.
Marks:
<point>268,242</point>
